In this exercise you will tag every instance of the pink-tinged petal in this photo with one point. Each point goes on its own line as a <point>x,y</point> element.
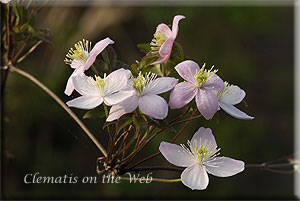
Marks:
<point>160,85</point>
<point>207,103</point>
<point>182,94</point>
<point>97,49</point>
<point>214,83</point>
<point>77,64</point>
<point>233,111</point>
<point>233,95</point>
<point>117,80</point>
<point>164,52</point>
<point>126,106</point>
<point>154,106</point>
<point>164,29</point>
<point>187,69</point>
<point>176,155</point>
<point>85,102</point>
<point>224,166</point>
<point>115,98</point>
<point>195,177</point>
<point>5,1</point>
<point>176,20</point>
<point>83,86</point>
<point>70,86</point>
<point>205,137</point>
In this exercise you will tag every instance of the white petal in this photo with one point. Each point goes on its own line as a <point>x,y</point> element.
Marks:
<point>195,177</point>
<point>126,106</point>
<point>153,106</point>
<point>115,98</point>
<point>233,95</point>
<point>204,137</point>
<point>70,85</point>
<point>233,111</point>
<point>160,85</point>
<point>85,102</point>
<point>117,80</point>
<point>83,86</point>
<point>176,155</point>
<point>224,166</point>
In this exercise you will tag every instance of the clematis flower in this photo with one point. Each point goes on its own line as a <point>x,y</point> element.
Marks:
<point>98,90</point>
<point>5,1</point>
<point>82,57</point>
<point>231,96</point>
<point>144,90</point>
<point>200,158</point>
<point>199,83</point>
<point>163,40</point>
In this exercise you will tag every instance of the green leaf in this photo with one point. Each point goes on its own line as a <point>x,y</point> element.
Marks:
<point>147,61</point>
<point>134,70</point>
<point>121,64</point>
<point>96,113</point>
<point>144,47</point>
<point>110,58</point>
<point>163,124</point>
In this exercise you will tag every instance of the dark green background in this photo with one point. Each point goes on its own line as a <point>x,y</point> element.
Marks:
<point>252,47</point>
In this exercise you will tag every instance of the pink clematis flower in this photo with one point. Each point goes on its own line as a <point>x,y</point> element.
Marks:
<point>231,96</point>
<point>163,40</point>
<point>144,90</point>
<point>96,91</point>
<point>200,83</point>
<point>5,1</point>
<point>200,158</point>
<point>82,57</point>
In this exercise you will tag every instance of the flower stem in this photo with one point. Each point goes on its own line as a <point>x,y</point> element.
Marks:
<point>185,120</point>
<point>62,104</point>
<point>180,50</point>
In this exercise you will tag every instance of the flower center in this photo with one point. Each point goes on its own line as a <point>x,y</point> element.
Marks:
<point>203,76</point>
<point>157,41</point>
<point>225,92</point>
<point>99,82</point>
<point>82,48</point>
<point>141,82</point>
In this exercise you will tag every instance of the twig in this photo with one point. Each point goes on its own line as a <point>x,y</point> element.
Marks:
<point>29,51</point>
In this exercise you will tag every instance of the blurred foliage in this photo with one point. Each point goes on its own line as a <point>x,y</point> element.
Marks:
<point>251,46</point>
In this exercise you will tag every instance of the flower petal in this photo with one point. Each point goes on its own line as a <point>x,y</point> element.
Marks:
<point>164,52</point>
<point>154,106</point>
<point>207,103</point>
<point>207,139</point>
<point>117,80</point>
<point>126,106</point>
<point>76,64</point>
<point>176,155</point>
<point>160,85</point>
<point>187,69</point>
<point>97,49</point>
<point>182,94</point>
<point>83,86</point>
<point>195,177</point>
<point>85,102</point>
<point>176,20</point>
<point>224,166</point>
<point>214,83</point>
<point>115,98</point>
<point>70,86</point>
<point>233,111</point>
<point>164,29</point>
<point>233,95</point>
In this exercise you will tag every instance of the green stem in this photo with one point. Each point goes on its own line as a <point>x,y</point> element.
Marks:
<point>185,120</point>
<point>180,50</point>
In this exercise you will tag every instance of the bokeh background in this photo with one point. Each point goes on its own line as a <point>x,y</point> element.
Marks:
<point>252,46</point>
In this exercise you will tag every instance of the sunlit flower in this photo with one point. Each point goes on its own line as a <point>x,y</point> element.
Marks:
<point>163,40</point>
<point>199,83</point>
<point>144,91</point>
<point>200,158</point>
<point>96,90</point>
<point>82,57</point>
<point>5,1</point>
<point>231,96</point>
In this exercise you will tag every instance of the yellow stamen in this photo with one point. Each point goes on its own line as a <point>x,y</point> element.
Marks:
<point>79,53</point>
<point>157,41</point>
<point>203,76</point>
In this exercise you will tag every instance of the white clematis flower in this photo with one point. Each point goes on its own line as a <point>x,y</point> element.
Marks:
<point>200,158</point>
<point>144,90</point>
<point>98,90</point>
<point>231,96</point>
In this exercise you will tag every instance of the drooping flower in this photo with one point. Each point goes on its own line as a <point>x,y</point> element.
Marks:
<point>163,40</point>
<point>231,96</point>
<point>199,83</point>
<point>144,90</point>
<point>200,158</point>
<point>96,90</point>
<point>82,57</point>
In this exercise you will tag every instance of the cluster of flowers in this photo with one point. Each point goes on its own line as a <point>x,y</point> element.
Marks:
<point>124,93</point>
